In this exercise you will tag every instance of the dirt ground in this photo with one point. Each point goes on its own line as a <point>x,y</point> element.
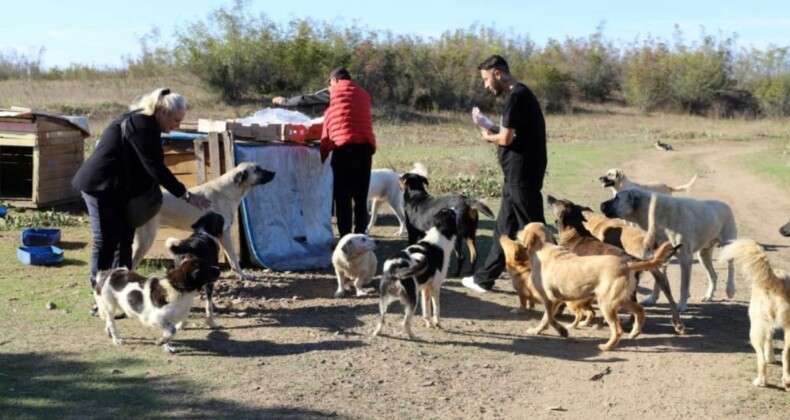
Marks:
<point>288,349</point>
<point>315,352</point>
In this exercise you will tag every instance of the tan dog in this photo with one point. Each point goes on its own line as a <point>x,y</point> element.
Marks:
<point>354,262</point>
<point>520,271</point>
<point>633,240</point>
<point>700,225</point>
<point>575,236</point>
<point>617,181</point>
<point>225,193</point>
<point>560,276</point>
<point>769,306</point>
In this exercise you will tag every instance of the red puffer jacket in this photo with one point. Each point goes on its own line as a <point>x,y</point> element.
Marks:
<point>348,119</point>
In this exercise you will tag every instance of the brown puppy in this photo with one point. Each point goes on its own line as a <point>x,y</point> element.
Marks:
<point>520,271</point>
<point>560,276</point>
<point>575,236</point>
<point>769,306</point>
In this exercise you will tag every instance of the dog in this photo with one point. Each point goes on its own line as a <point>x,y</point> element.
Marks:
<point>203,245</point>
<point>157,302</point>
<point>559,276</point>
<point>700,225</point>
<point>575,236</point>
<point>225,193</point>
<point>421,207</point>
<point>785,230</point>
<point>421,267</point>
<point>769,306</point>
<point>617,181</point>
<point>633,240</point>
<point>385,188</point>
<point>520,272</point>
<point>355,263</point>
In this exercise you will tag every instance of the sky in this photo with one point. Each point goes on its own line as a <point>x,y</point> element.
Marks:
<point>103,32</point>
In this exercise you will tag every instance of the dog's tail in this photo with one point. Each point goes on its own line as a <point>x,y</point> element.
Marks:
<point>174,246</point>
<point>665,252</point>
<point>480,207</point>
<point>650,237</point>
<point>751,260</point>
<point>685,187</point>
<point>402,273</point>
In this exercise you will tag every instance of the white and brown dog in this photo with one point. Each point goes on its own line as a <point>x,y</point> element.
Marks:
<point>354,262</point>
<point>769,306</point>
<point>158,302</point>
<point>617,181</point>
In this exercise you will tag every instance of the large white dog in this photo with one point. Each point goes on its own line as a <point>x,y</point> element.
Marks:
<point>225,194</point>
<point>699,225</point>
<point>385,188</point>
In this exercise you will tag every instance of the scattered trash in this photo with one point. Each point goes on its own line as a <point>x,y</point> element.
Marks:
<point>599,376</point>
<point>556,408</point>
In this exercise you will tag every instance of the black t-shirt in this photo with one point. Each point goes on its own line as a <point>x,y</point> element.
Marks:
<point>524,160</point>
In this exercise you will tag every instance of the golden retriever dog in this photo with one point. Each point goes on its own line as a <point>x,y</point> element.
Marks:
<point>354,262</point>
<point>559,276</point>
<point>617,181</point>
<point>575,236</point>
<point>520,272</point>
<point>700,225</point>
<point>769,307</point>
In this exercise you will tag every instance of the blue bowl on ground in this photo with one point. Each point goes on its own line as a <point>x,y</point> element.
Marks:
<point>39,255</point>
<point>40,237</point>
<point>3,211</point>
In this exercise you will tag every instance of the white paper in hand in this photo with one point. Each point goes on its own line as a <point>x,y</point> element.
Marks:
<point>481,120</point>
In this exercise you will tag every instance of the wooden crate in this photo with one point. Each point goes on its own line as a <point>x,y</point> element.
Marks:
<point>295,133</point>
<point>194,163</point>
<point>39,155</point>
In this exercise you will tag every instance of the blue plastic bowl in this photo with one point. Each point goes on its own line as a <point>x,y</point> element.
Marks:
<point>39,255</point>
<point>40,237</point>
<point>3,211</point>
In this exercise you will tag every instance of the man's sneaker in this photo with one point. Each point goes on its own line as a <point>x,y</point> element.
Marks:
<point>469,282</point>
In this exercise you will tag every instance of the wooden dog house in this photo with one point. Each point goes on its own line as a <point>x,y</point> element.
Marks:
<point>39,155</point>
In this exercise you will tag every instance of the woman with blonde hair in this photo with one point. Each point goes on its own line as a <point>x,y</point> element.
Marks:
<point>120,180</point>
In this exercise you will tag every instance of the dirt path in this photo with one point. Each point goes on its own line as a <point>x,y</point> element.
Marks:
<point>483,365</point>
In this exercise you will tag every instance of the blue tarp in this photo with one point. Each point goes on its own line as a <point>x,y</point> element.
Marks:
<point>288,222</point>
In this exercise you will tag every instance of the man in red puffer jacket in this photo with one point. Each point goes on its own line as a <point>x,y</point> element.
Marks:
<point>348,134</point>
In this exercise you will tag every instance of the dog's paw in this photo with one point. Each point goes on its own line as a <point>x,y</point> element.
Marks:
<point>759,381</point>
<point>518,310</point>
<point>118,341</point>
<point>604,347</point>
<point>360,293</point>
<point>169,348</point>
<point>534,331</point>
<point>730,291</point>
<point>706,298</point>
<point>340,293</point>
<point>245,276</point>
<point>212,324</point>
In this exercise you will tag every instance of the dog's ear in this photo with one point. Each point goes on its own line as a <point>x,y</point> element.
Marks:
<point>585,208</point>
<point>240,177</point>
<point>424,179</point>
<point>633,199</point>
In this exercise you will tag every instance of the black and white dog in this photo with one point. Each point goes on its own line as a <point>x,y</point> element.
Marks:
<point>420,208</point>
<point>203,245</point>
<point>158,302</point>
<point>420,267</point>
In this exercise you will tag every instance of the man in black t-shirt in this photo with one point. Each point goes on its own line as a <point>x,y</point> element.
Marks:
<point>521,149</point>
